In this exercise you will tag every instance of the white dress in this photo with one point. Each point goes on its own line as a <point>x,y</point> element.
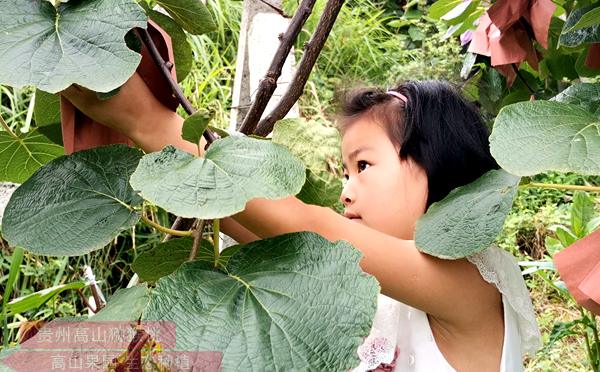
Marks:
<point>401,334</point>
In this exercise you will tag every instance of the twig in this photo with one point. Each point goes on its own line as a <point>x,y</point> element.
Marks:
<point>516,69</point>
<point>311,52</point>
<point>276,9</point>
<point>162,65</point>
<point>180,224</point>
<point>197,234</point>
<point>165,229</point>
<point>7,129</point>
<point>89,276</point>
<point>268,84</point>
<point>86,302</point>
<point>216,228</point>
<point>133,362</point>
<point>562,187</point>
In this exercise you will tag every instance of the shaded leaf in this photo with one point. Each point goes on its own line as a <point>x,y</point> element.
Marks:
<point>166,257</point>
<point>469,219</point>
<point>194,127</point>
<point>318,147</point>
<point>588,19</point>
<point>234,170</point>
<point>20,157</point>
<point>46,108</point>
<point>572,37</point>
<point>74,204</point>
<point>292,302</point>
<point>585,95</point>
<point>192,15</point>
<point>79,42</point>
<point>534,137</point>
<point>126,304</point>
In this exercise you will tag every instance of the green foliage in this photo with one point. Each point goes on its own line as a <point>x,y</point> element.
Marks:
<point>166,257</point>
<point>127,304</point>
<point>280,291</point>
<point>194,127</point>
<point>78,203</point>
<point>469,219</point>
<point>48,47</point>
<point>23,154</point>
<point>534,137</point>
<point>46,109</point>
<point>37,299</point>
<point>370,44</point>
<point>318,147</point>
<point>234,170</point>
<point>191,15</point>
<point>579,30</point>
<point>182,50</point>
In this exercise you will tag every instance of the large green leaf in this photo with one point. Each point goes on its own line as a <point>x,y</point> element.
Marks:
<point>293,302</point>
<point>166,257</point>
<point>585,95</point>
<point>182,50</point>
<point>79,42</point>
<point>192,15</point>
<point>46,109</point>
<point>22,155</point>
<point>467,220</point>
<point>534,137</point>
<point>74,204</point>
<point>573,37</point>
<point>47,116</point>
<point>318,146</point>
<point>235,169</point>
<point>126,304</point>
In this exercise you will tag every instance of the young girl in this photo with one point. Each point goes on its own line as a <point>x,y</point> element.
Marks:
<point>402,151</point>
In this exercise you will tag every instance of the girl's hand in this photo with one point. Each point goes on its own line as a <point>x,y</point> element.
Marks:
<point>134,112</point>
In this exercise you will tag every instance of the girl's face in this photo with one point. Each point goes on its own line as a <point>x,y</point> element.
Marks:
<point>381,191</point>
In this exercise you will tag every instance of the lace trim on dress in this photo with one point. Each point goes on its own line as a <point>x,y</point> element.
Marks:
<point>380,346</point>
<point>501,269</point>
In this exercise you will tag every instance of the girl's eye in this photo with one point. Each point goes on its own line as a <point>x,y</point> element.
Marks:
<point>362,165</point>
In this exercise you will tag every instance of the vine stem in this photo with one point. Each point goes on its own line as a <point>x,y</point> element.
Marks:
<point>164,69</point>
<point>311,52</point>
<point>7,129</point>
<point>516,70</point>
<point>163,229</point>
<point>86,302</point>
<point>268,84</point>
<point>562,187</point>
<point>197,234</point>
<point>216,228</point>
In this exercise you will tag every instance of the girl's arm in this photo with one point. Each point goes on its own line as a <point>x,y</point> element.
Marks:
<point>452,291</point>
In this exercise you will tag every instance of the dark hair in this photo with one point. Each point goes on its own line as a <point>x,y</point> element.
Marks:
<point>437,127</point>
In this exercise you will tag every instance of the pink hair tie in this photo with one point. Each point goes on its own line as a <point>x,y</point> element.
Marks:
<point>400,96</point>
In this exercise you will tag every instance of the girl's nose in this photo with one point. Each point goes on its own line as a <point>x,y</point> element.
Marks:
<point>347,196</point>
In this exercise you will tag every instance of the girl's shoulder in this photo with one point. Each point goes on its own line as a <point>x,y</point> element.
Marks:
<point>401,337</point>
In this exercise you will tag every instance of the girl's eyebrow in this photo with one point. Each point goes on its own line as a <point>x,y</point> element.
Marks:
<point>354,153</point>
